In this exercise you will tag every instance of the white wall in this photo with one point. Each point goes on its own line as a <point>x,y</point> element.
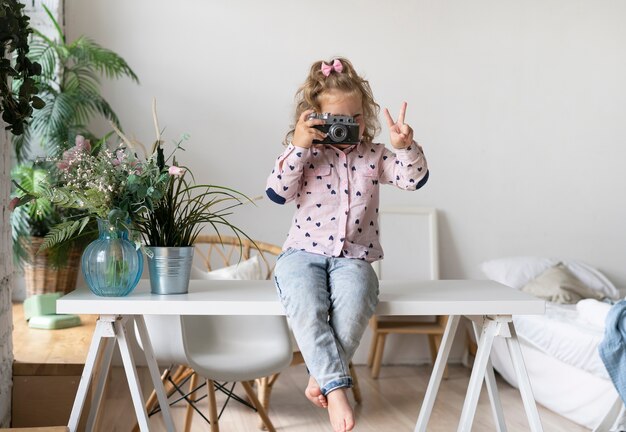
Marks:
<point>519,105</point>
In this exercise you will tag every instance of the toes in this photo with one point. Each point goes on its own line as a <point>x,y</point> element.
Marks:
<point>323,401</point>
<point>315,396</point>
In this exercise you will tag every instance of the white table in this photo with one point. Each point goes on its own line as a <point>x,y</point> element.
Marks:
<point>488,304</point>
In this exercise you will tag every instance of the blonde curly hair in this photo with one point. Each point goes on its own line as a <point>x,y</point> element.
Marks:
<point>348,81</point>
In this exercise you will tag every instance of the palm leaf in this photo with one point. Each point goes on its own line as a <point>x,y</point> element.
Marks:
<point>81,79</point>
<point>21,144</point>
<point>52,121</point>
<point>46,55</point>
<point>56,24</point>
<point>105,61</point>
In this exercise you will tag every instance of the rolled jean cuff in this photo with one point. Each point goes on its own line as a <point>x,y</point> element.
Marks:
<point>335,384</point>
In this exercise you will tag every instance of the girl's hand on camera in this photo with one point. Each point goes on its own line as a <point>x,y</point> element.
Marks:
<point>305,133</point>
<point>401,133</point>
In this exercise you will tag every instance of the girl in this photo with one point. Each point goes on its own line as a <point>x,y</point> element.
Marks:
<point>324,277</point>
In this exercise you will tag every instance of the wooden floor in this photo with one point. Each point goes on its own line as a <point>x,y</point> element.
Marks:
<point>390,403</point>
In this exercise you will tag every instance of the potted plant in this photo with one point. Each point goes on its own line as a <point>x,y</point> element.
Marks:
<point>52,270</point>
<point>69,87</point>
<point>169,229</point>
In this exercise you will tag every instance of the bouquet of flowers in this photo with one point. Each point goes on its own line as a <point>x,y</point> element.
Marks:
<point>102,183</point>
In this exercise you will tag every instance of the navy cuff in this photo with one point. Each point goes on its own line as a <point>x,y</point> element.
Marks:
<point>423,181</point>
<point>274,196</point>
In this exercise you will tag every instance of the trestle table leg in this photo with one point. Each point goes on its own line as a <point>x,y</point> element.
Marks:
<point>131,374</point>
<point>524,383</point>
<point>103,372</point>
<point>489,332</point>
<point>154,372</point>
<point>492,389</point>
<point>104,329</point>
<point>437,373</point>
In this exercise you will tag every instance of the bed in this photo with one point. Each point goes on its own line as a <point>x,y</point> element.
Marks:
<point>561,347</point>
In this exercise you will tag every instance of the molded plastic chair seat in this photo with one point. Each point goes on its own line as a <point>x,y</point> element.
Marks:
<point>236,348</point>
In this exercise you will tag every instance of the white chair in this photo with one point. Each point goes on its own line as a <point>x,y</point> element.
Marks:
<point>219,348</point>
<point>236,349</point>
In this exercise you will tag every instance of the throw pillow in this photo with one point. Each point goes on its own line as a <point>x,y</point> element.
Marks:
<point>245,270</point>
<point>518,271</point>
<point>557,284</point>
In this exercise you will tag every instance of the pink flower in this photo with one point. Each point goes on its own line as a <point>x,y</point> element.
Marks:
<point>83,144</point>
<point>14,203</point>
<point>176,171</point>
<point>63,166</point>
<point>68,155</point>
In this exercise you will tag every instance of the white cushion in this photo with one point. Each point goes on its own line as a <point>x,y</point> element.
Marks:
<point>245,270</point>
<point>518,271</point>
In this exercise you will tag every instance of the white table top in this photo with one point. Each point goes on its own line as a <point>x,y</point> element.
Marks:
<point>212,297</point>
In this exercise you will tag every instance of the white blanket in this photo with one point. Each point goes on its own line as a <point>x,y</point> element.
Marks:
<point>563,334</point>
<point>593,312</point>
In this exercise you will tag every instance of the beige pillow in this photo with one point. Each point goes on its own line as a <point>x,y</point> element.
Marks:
<point>557,284</point>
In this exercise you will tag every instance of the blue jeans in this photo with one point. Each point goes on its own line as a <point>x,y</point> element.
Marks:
<point>328,302</point>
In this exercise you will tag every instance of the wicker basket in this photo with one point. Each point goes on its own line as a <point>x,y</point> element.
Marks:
<point>41,277</point>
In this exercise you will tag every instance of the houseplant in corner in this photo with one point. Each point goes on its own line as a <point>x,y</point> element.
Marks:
<point>69,85</point>
<point>50,271</point>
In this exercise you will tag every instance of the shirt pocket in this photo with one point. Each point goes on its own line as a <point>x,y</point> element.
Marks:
<point>365,184</point>
<point>317,180</point>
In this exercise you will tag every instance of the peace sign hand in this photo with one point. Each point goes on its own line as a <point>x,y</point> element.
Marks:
<point>401,134</point>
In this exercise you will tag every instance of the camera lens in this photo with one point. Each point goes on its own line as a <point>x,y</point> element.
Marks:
<point>338,132</point>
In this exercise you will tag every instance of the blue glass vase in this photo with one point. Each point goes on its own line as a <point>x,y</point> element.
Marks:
<point>111,264</point>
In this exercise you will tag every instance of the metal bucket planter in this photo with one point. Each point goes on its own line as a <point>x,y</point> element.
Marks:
<point>169,269</point>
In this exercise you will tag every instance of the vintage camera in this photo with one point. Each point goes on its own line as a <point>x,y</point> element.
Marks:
<point>339,129</point>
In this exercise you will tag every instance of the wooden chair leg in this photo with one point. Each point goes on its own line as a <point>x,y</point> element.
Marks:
<point>193,381</point>
<point>378,357</point>
<point>297,358</point>
<point>210,388</point>
<point>434,341</point>
<point>264,387</point>
<point>178,376</point>
<point>372,353</point>
<point>356,390</point>
<point>255,401</point>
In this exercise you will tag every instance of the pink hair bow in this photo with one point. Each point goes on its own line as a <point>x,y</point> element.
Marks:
<point>336,66</point>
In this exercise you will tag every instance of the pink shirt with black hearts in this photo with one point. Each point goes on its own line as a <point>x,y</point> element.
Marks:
<point>337,193</point>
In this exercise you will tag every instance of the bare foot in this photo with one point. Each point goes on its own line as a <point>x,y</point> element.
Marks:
<point>314,394</point>
<point>340,411</point>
